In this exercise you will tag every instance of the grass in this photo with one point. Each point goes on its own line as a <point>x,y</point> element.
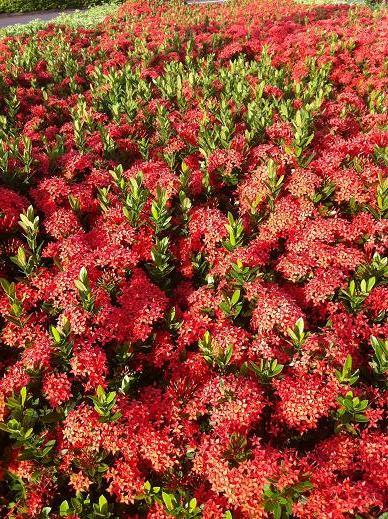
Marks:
<point>87,18</point>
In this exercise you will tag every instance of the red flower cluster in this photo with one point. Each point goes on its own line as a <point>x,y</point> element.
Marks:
<point>193,236</point>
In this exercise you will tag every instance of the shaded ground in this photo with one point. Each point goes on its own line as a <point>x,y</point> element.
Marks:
<point>22,18</point>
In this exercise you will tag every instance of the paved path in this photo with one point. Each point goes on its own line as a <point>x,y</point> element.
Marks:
<point>22,18</point>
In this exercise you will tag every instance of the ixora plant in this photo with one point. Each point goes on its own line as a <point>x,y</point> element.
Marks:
<point>193,270</point>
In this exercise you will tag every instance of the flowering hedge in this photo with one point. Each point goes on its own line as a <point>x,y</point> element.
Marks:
<point>193,227</point>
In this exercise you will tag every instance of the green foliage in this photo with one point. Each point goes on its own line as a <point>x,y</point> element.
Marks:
<point>377,268</point>
<point>236,233</point>
<point>367,277</point>
<point>84,290</point>
<point>161,266</point>
<point>18,148</point>
<point>297,335</point>
<point>15,309</point>
<point>104,404</point>
<point>232,306</point>
<point>351,412</point>
<point>160,214</point>
<point>178,504</point>
<point>133,194</point>
<point>103,198</point>
<point>54,151</point>
<point>345,376</point>
<point>181,507</point>
<point>237,450</point>
<point>356,293</point>
<point>84,507</point>
<point>213,353</point>
<point>379,362</point>
<point>172,322</point>
<point>89,19</point>
<point>62,343</point>
<point>185,204</point>
<point>201,268</point>
<point>279,502</point>
<point>241,274</point>
<point>74,204</point>
<point>274,183</point>
<point>20,426</point>
<point>303,136</point>
<point>324,193</point>
<point>29,260</point>
<point>218,135</point>
<point>163,123</point>
<point>20,6</point>
<point>266,369</point>
<point>108,144</point>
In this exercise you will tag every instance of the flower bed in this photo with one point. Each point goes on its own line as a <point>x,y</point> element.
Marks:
<point>193,228</point>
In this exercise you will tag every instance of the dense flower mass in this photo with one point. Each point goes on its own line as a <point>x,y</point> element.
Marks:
<point>193,264</point>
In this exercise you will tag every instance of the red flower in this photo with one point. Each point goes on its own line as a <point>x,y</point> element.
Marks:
<point>11,205</point>
<point>57,388</point>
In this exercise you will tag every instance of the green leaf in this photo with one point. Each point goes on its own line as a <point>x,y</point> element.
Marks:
<point>229,353</point>
<point>167,499</point>
<point>235,297</point>
<point>371,283</point>
<point>81,287</point>
<point>193,504</point>
<point>83,275</point>
<point>64,508</point>
<point>277,511</point>
<point>300,324</point>
<point>103,503</point>
<point>5,285</point>
<point>111,396</point>
<point>55,333</point>
<point>100,392</point>
<point>28,433</point>
<point>23,394</point>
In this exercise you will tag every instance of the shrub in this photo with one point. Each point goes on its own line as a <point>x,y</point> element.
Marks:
<point>193,268</point>
<point>88,18</point>
<point>20,6</point>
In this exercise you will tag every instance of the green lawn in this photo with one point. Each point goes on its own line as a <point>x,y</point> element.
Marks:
<point>86,18</point>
